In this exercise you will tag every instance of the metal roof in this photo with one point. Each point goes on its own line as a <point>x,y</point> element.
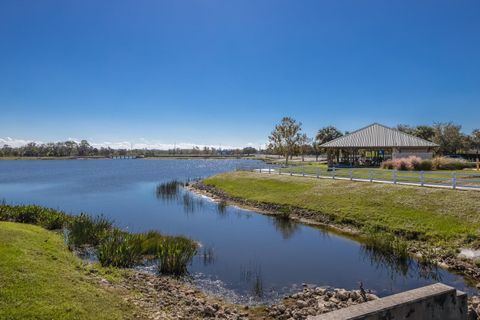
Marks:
<point>378,136</point>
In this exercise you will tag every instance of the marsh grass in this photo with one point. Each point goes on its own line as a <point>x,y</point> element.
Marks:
<point>386,243</point>
<point>120,249</point>
<point>86,230</point>
<point>113,247</point>
<point>150,242</point>
<point>174,254</point>
<point>48,218</point>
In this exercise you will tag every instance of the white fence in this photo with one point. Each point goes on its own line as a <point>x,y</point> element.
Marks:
<point>439,179</point>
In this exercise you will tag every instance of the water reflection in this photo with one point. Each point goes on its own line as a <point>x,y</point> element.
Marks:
<point>222,208</point>
<point>168,191</point>
<point>287,227</point>
<point>400,267</point>
<point>207,256</point>
<point>191,203</point>
<point>174,191</point>
<point>252,276</point>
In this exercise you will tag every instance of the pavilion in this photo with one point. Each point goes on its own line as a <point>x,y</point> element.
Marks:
<point>375,143</point>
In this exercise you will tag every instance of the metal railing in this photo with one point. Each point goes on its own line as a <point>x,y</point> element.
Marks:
<point>448,179</point>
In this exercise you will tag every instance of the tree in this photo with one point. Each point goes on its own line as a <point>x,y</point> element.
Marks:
<point>304,145</point>
<point>249,150</point>
<point>449,137</point>
<point>325,135</point>
<point>285,137</point>
<point>406,128</point>
<point>84,148</point>
<point>424,132</point>
<point>475,140</point>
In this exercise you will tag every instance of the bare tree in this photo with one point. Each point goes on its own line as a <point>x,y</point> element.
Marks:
<point>285,137</point>
<point>304,145</point>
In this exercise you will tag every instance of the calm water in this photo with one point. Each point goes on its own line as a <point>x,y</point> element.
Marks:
<point>245,256</point>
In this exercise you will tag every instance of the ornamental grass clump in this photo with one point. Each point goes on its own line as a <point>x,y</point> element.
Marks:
<point>443,163</point>
<point>120,249</point>
<point>85,230</point>
<point>174,254</point>
<point>417,164</point>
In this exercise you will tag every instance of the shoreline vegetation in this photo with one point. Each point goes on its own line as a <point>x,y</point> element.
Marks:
<point>32,243</point>
<point>432,225</point>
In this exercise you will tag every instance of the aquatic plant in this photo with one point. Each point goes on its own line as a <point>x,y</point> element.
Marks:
<point>150,241</point>
<point>120,249</point>
<point>174,254</point>
<point>87,230</point>
<point>168,190</point>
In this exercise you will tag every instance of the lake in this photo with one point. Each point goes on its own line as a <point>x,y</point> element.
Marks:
<point>245,256</point>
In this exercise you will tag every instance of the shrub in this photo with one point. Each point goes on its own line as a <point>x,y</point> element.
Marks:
<point>417,164</point>
<point>443,163</point>
<point>174,253</point>
<point>426,165</point>
<point>401,164</point>
<point>50,219</point>
<point>414,163</point>
<point>87,230</point>
<point>120,249</point>
<point>387,164</point>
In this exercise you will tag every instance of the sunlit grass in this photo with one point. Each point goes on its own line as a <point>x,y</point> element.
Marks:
<point>412,212</point>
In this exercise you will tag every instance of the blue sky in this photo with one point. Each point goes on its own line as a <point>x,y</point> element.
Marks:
<point>223,72</point>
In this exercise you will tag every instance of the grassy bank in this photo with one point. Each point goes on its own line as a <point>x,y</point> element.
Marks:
<point>41,279</point>
<point>442,217</point>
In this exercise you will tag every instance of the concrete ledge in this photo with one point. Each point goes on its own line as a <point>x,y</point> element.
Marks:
<point>434,302</point>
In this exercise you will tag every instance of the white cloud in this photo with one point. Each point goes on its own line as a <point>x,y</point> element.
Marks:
<point>141,144</point>
<point>15,142</point>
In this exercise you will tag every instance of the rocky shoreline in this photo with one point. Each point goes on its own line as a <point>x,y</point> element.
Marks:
<point>164,297</point>
<point>315,301</point>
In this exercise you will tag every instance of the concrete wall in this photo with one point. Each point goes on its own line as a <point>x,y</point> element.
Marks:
<point>434,302</point>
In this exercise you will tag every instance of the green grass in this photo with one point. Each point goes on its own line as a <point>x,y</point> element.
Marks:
<point>41,279</point>
<point>464,177</point>
<point>448,217</point>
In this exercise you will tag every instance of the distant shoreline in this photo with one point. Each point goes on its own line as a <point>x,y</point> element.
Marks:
<point>166,157</point>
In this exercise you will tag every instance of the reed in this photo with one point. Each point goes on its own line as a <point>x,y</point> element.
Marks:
<point>120,249</point>
<point>86,230</point>
<point>174,254</point>
<point>169,190</point>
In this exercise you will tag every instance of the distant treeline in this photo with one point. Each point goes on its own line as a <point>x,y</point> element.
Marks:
<point>84,149</point>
